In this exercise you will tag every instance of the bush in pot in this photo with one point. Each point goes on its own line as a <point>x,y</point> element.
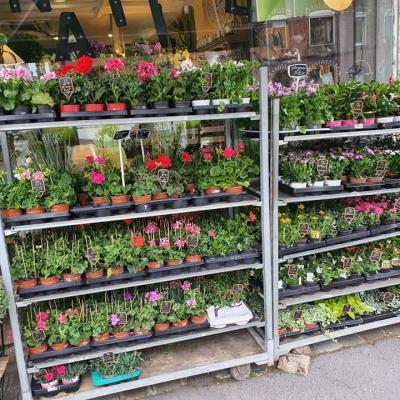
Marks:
<point>99,321</point>
<point>60,193</point>
<point>58,330</point>
<point>123,364</point>
<point>115,82</point>
<point>43,93</point>
<point>79,327</point>
<point>23,266</point>
<point>159,88</point>
<point>290,112</point>
<point>134,92</point>
<point>94,91</point>
<point>33,323</point>
<point>74,371</point>
<point>118,193</point>
<point>145,184</point>
<point>96,179</point>
<point>315,107</point>
<point>162,162</point>
<point>144,318</point>
<point>196,305</point>
<point>181,91</point>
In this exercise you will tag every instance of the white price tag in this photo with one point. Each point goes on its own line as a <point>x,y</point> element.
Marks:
<point>310,277</point>
<point>280,285</point>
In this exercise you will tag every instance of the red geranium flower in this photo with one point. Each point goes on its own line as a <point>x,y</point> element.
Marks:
<point>151,165</point>
<point>252,216</point>
<point>83,65</point>
<point>229,153</point>
<point>207,156</point>
<point>145,70</point>
<point>137,241</point>
<point>164,161</point>
<point>49,376</point>
<point>186,157</point>
<point>65,69</point>
<point>241,147</point>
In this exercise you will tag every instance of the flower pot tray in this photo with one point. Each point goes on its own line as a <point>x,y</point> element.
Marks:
<point>172,202</point>
<point>390,273</point>
<point>355,127</point>
<point>202,110</point>
<point>28,219</point>
<point>301,248</point>
<point>128,276</point>
<point>39,289</point>
<point>233,107</point>
<point>383,229</point>
<point>347,238</point>
<point>339,284</point>
<point>363,186</point>
<point>121,342</point>
<point>98,380</point>
<point>204,199</point>
<point>378,317</point>
<point>101,210</point>
<point>175,269</point>
<point>246,257</point>
<point>18,118</point>
<point>38,391</point>
<point>188,328</point>
<point>310,190</point>
<point>236,315</point>
<point>287,292</point>
<point>92,114</point>
<point>59,353</point>
<point>295,334</point>
<point>392,182</point>
<point>161,111</point>
<point>344,323</point>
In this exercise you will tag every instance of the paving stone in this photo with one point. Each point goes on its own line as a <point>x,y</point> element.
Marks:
<point>305,350</point>
<point>393,330</point>
<point>351,341</point>
<point>328,346</point>
<point>168,386</point>
<point>295,364</point>
<point>373,335</point>
<point>141,393</point>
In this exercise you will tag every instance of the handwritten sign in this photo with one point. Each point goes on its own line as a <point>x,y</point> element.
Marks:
<point>322,166</point>
<point>292,270</point>
<point>357,108</point>
<point>91,257</point>
<point>66,86</point>
<point>143,134</point>
<point>388,298</point>
<point>38,186</point>
<point>346,309</point>
<point>381,167</point>
<point>108,358</point>
<point>192,241</point>
<point>349,214</point>
<point>238,289</point>
<point>297,70</point>
<point>120,135</point>
<point>163,177</point>
<point>208,81</point>
<point>297,314</point>
<point>375,256</point>
<point>347,262</point>
<point>39,335</point>
<point>303,230</point>
<point>123,318</point>
<point>166,307</point>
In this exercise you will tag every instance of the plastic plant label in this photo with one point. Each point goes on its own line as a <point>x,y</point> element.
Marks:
<point>292,270</point>
<point>297,70</point>
<point>120,135</point>
<point>347,262</point>
<point>163,177</point>
<point>238,289</point>
<point>123,318</point>
<point>39,335</point>
<point>315,235</point>
<point>52,388</point>
<point>346,309</point>
<point>143,134</point>
<point>40,374</point>
<point>388,298</point>
<point>375,256</point>
<point>386,264</point>
<point>66,86</point>
<point>192,242</point>
<point>349,214</point>
<point>38,186</point>
<point>297,314</point>
<point>357,108</point>
<point>91,257</point>
<point>310,277</point>
<point>166,307</point>
<point>303,229</point>
<point>108,358</point>
<point>322,166</point>
<point>208,81</point>
<point>280,284</point>
<point>381,167</point>
<point>397,205</point>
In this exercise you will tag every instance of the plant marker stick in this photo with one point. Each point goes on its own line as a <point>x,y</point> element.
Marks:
<point>121,162</point>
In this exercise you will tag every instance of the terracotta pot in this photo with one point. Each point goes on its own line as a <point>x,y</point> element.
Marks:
<point>11,212</point>
<point>27,284</point>
<point>51,280</point>
<point>72,277</point>
<point>127,221</point>
<point>375,179</point>
<point>153,265</point>
<point>116,107</point>
<point>174,263</point>
<point>334,124</point>
<point>98,199</point>
<point>180,324</point>
<point>141,199</point>
<point>160,196</point>
<point>119,199</point>
<point>234,189</point>
<point>120,335</point>
<point>83,342</point>
<point>70,108</point>
<point>60,208</point>
<point>35,210</point>
<point>137,241</point>
<point>82,199</point>
<point>102,338</point>
<point>358,181</point>
<point>311,326</point>
<point>59,346</point>
<point>38,350</point>
<point>161,327</point>
<point>282,331</point>
<point>175,195</point>
<point>142,332</point>
<point>193,259</point>
<point>190,187</point>
<point>117,271</point>
<point>198,319</point>
<point>213,190</point>
<point>94,274</point>
<point>94,107</point>
<point>392,174</point>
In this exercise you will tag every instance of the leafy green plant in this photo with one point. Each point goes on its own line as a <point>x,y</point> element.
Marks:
<point>59,189</point>
<point>124,363</point>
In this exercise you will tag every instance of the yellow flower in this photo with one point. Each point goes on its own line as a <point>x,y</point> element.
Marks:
<point>288,220</point>
<point>300,216</point>
<point>280,215</point>
<point>321,213</point>
<point>300,207</point>
<point>185,54</point>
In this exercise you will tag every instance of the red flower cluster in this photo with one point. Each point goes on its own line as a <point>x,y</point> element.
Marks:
<point>82,66</point>
<point>162,161</point>
<point>186,157</point>
<point>252,216</point>
<point>228,152</point>
<point>145,70</point>
<point>207,156</point>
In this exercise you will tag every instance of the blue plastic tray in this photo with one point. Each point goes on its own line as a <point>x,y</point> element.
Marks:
<point>98,380</point>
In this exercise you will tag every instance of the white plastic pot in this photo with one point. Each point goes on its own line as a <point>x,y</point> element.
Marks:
<point>333,182</point>
<point>49,385</point>
<point>245,100</point>
<point>218,102</point>
<point>200,103</point>
<point>221,317</point>
<point>70,381</point>
<point>298,185</point>
<point>384,120</point>
<point>316,184</point>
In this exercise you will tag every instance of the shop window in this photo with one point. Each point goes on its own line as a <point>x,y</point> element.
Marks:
<point>361,29</point>
<point>321,29</point>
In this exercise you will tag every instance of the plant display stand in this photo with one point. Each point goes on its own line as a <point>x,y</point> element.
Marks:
<point>210,349</point>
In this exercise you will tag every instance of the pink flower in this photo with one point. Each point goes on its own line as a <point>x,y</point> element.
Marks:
<point>114,320</point>
<point>192,229</point>
<point>175,73</point>
<point>186,157</point>
<point>145,70</point>
<point>41,316</point>
<point>153,296</point>
<point>48,76</point>
<point>229,153</point>
<point>26,174</point>
<point>99,160</point>
<point>185,286</point>
<point>152,243</point>
<point>241,147</point>
<point>49,376</point>
<point>62,318</point>
<point>177,225</point>
<point>207,156</point>
<point>22,73</point>
<point>41,324</point>
<point>310,90</point>
<point>370,151</point>
<point>128,296</point>
<point>212,233</point>
<point>180,243</point>
<point>191,302</point>
<point>114,65</point>
<point>150,228</point>
<point>38,175</point>
<point>164,243</point>
<point>60,370</point>
<point>97,178</point>
<point>90,159</point>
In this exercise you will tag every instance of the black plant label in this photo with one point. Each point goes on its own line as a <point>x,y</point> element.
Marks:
<point>375,256</point>
<point>163,177</point>
<point>108,358</point>
<point>40,374</point>
<point>388,297</point>
<point>143,134</point>
<point>39,335</point>
<point>192,242</point>
<point>238,289</point>
<point>322,166</point>
<point>347,262</point>
<point>166,307</point>
<point>303,230</point>
<point>123,318</point>
<point>292,270</point>
<point>297,314</point>
<point>346,309</point>
<point>66,86</point>
<point>38,185</point>
<point>349,214</point>
<point>381,167</point>
<point>91,257</point>
<point>208,81</point>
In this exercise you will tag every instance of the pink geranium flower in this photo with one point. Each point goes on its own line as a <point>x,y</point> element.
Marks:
<point>99,160</point>
<point>60,370</point>
<point>90,159</point>
<point>49,376</point>
<point>41,316</point>
<point>41,324</point>
<point>145,70</point>
<point>150,228</point>
<point>185,286</point>
<point>229,153</point>
<point>153,296</point>
<point>191,302</point>
<point>38,175</point>
<point>212,233</point>
<point>97,178</point>
<point>175,73</point>
<point>164,243</point>
<point>62,318</point>
<point>180,243</point>
<point>114,65</point>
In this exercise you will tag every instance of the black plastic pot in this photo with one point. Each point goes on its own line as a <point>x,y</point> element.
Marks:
<point>44,109</point>
<point>161,104</point>
<point>181,103</point>
<point>358,230</point>
<point>21,110</point>
<point>2,111</point>
<point>345,233</point>
<point>141,106</point>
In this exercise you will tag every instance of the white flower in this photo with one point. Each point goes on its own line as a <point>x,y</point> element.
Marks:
<point>18,176</point>
<point>187,65</point>
<point>28,160</point>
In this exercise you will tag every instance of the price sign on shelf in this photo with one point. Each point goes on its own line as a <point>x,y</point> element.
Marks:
<point>346,309</point>
<point>292,270</point>
<point>375,256</point>
<point>108,358</point>
<point>123,318</point>
<point>39,335</point>
<point>297,314</point>
<point>349,214</point>
<point>192,242</point>
<point>40,374</point>
<point>91,257</point>
<point>238,289</point>
<point>322,166</point>
<point>166,307</point>
<point>208,81</point>
<point>388,298</point>
<point>297,71</point>
<point>38,186</point>
<point>303,229</point>
<point>66,86</point>
<point>143,134</point>
<point>381,167</point>
<point>163,177</point>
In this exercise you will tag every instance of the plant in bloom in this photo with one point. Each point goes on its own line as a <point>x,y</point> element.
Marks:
<point>252,216</point>
<point>146,70</point>
<point>128,296</point>
<point>162,161</point>
<point>180,243</point>
<point>191,302</point>
<point>97,178</point>
<point>175,73</point>
<point>114,65</point>
<point>164,243</point>
<point>228,152</point>
<point>48,76</point>
<point>151,228</point>
<point>60,370</point>
<point>41,316</point>
<point>212,233</point>
<point>153,296</point>
<point>14,74</point>
<point>49,376</point>
<point>114,320</point>
<point>62,318</point>
<point>38,175</point>
<point>82,66</point>
<point>185,286</point>
<point>186,157</point>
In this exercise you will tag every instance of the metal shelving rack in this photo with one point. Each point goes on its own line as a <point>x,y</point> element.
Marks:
<point>279,199</point>
<point>251,348</point>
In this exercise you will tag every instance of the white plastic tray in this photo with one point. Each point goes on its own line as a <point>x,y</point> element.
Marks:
<point>238,315</point>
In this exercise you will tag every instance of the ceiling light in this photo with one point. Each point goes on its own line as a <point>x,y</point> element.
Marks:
<point>338,5</point>
<point>110,35</point>
<point>55,37</point>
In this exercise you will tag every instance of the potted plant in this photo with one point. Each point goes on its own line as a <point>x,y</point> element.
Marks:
<point>43,92</point>
<point>115,82</point>
<point>154,298</point>
<point>290,112</point>
<point>155,254</point>
<point>134,93</point>
<point>144,186</point>
<point>48,381</point>
<point>23,266</point>
<point>181,87</point>
<point>94,91</point>
<point>119,329</point>
<point>145,71</point>
<point>179,316</point>
<point>12,197</point>
<point>144,318</point>
<point>113,251</point>
<point>360,165</point>
<point>296,172</point>
<point>200,89</point>
<point>35,332</point>
<point>14,93</point>
<point>159,88</point>
<point>96,179</point>
<point>73,372</point>
<point>386,106</point>
<point>58,330</point>
<point>99,321</point>
<point>162,162</point>
<point>60,192</point>
<point>119,193</point>
<point>336,168</point>
<point>196,306</point>
<point>223,86</point>
<point>315,107</point>
<point>79,328</point>
<point>75,265</point>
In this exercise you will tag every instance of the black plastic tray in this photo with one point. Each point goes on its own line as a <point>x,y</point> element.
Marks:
<point>175,269</point>
<point>392,182</point>
<point>171,202</point>
<point>204,199</point>
<point>346,323</point>
<point>287,292</point>
<point>299,249</point>
<point>101,210</point>
<point>46,288</point>
<point>161,111</point>
<point>378,317</point>
<point>38,391</point>
<point>59,353</point>
<point>93,114</point>
<point>248,257</point>
<point>310,190</point>
<point>28,219</point>
<point>356,127</point>
<point>347,238</point>
<point>355,281</point>
<point>189,327</point>
<point>302,332</point>
<point>131,276</point>
<point>121,342</point>
<point>363,186</point>
<point>18,118</point>
<point>382,275</point>
<point>383,229</point>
